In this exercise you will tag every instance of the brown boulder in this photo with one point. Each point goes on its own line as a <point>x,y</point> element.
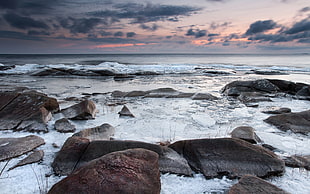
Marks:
<point>82,111</point>
<point>36,156</point>
<point>129,171</point>
<point>102,132</point>
<point>228,156</point>
<point>64,126</point>
<point>251,184</point>
<point>13,147</point>
<point>296,122</point>
<point>246,133</point>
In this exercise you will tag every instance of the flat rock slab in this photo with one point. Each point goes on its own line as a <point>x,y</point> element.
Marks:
<point>251,184</point>
<point>102,132</point>
<point>13,147</point>
<point>82,111</point>
<point>296,122</point>
<point>24,109</point>
<point>228,157</point>
<point>297,161</point>
<point>129,171</point>
<point>36,156</point>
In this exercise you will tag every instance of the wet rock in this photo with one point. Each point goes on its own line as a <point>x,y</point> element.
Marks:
<point>104,72</point>
<point>269,72</point>
<point>13,147</point>
<point>82,111</point>
<point>161,93</point>
<point>6,67</point>
<point>276,110</point>
<point>298,161</point>
<point>36,156</point>
<point>97,149</point>
<point>296,122</point>
<point>172,162</point>
<point>123,77</point>
<point>251,184</point>
<point>69,155</point>
<point>288,86</point>
<point>63,72</point>
<point>64,126</point>
<point>27,110</point>
<point>228,157</point>
<point>246,133</point>
<point>304,93</point>
<point>203,96</point>
<point>102,132</point>
<point>253,97</point>
<point>125,112</point>
<point>129,171</point>
<point>215,72</point>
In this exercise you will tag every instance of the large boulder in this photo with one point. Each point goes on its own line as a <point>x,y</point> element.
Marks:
<point>251,184</point>
<point>64,126</point>
<point>35,156</point>
<point>129,171</point>
<point>228,157</point>
<point>69,155</point>
<point>102,132</point>
<point>13,147</point>
<point>82,111</point>
<point>296,122</point>
<point>297,161</point>
<point>246,133</point>
<point>27,110</point>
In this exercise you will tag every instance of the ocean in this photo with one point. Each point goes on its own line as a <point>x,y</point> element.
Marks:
<point>158,119</point>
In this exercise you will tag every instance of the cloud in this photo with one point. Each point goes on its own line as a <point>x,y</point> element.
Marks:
<point>153,27</point>
<point>118,34</point>
<point>80,25</point>
<point>22,22</point>
<point>143,13</point>
<point>197,33</point>
<point>8,4</point>
<point>305,9</point>
<point>298,27</point>
<point>105,33</point>
<point>261,26</point>
<point>18,35</point>
<point>38,33</point>
<point>214,25</point>
<point>130,34</point>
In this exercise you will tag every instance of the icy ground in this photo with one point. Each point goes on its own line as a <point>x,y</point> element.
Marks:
<point>159,119</point>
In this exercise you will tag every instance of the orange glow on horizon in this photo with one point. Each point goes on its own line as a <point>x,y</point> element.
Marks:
<point>205,42</point>
<point>120,45</point>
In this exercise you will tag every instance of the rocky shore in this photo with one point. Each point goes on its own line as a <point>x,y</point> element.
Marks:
<point>95,159</point>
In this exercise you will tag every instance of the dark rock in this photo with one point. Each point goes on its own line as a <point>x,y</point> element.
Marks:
<point>253,97</point>
<point>172,162</point>
<point>125,112</point>
<point>203,96</point>
<point>36,156</point>
<point>82,111</point>
<point>64,126</point>
<point>129,171</point>
<point>269,72</point>
<point>288,86</point>
<point>270,147</point>
<point>228,157</point>
<point>97,149</point>
<point>55,145</point>
<point>142,73</point>
<point>69,155</point>
<point>161,93</point>
<point>104,72</point>
<point>246,133</point>
<point>298,161</point>
<point>304,93</point>
<point>24,109</point>
<point>123,77</point>
<point>102,132</point>
<point>251,184</point>
<point>13,147</point>
<point>277,110</point>
<point>296,122</point>
<point>6,67</point>
<point>215,72</point>
<point>63,72</point>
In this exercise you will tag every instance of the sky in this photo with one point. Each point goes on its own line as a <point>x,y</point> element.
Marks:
<point>158,26</point>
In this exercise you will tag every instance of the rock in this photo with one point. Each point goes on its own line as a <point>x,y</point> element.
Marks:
<point>13,147</point>
<point>298,161</point>
<point>215,72</point>
<point>63,72</point>
<point>69,155</point>
<point>82,111</point>
<point>125,112</point>
<point>97,149</point>
<point>251,184</point>
<point>304,93</point>
<point>64,126</point>
<point>36,156</point>
<point>123,77</point>
<point>228,157</point>
<point>269,72</point>
<point>102,132</point>
<point>276,110</point>
<point>27,110</point>
<point>246,133</point>
<point>296,122</point>
<point>161,93</point>
<point>287,87</point>
<point>129,171</point>
<point>253,97</point>
<point>203,96</point>
<point>172,162</point>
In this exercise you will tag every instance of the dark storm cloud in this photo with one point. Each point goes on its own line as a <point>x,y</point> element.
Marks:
<point>141,13</point>
<point>214,25</point>
<point>9,4</point>
<point>105,33</point>
<point>298,27</point>
<point>261,26</point>
<point>153,27</point>
<point>23,22</point>
<point>38,33</point>
<point>80,25</point>
<point>131,34</point>
<point>18,35</point>
<point>118,34</point>
<point>197,33</point>
<point>305,9</point>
